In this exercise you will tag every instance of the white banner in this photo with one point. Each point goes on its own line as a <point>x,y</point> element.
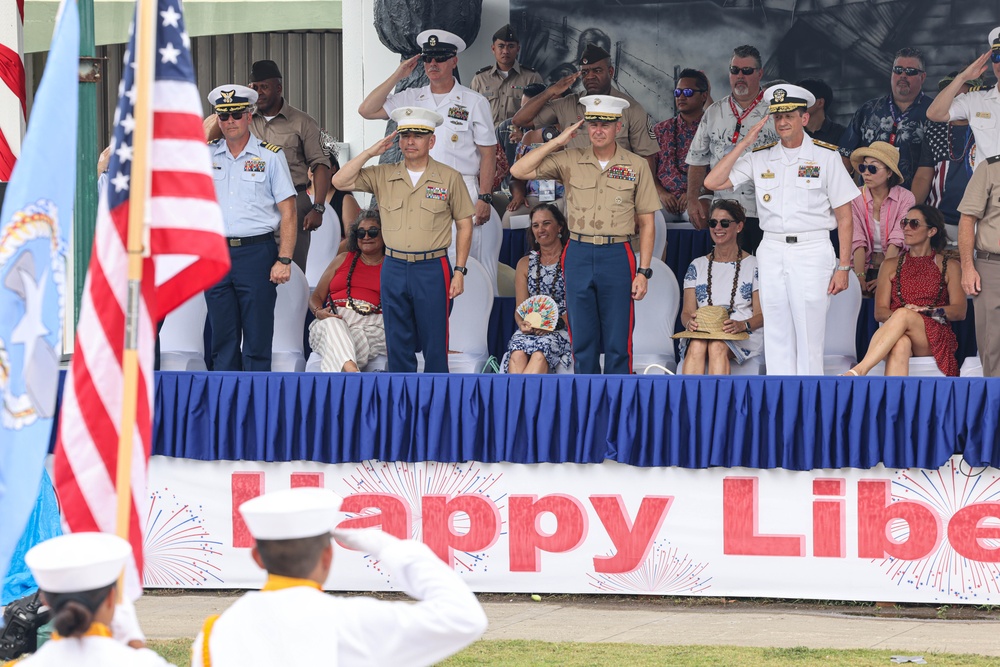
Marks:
<point>891,535</point>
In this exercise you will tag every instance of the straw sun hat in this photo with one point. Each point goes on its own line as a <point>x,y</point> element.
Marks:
<point>882,151</point>
<point>710,319</point>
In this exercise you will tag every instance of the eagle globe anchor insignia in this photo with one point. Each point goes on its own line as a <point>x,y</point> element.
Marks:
<point>29,359</point>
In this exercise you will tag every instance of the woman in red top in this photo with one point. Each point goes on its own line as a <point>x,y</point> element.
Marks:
<point>918,294</point>
<point>348,331</point>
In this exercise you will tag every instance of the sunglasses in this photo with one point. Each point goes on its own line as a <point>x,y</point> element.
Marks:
<point>237,115</point>
<point>437,59</point>
<point>870,168</point>
<point>747,71</point>
<point>995,56</point>
<point>908,71</point>
<point>912,223</point>
<point>713,223</point>
<point>371,232</point>
<point>687,92</point>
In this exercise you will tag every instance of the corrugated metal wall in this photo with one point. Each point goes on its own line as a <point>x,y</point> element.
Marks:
<point>311,65</point>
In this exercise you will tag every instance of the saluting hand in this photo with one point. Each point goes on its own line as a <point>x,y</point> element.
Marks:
<point>567,134</point>
<point>382,145</point>
<point>564,84</point>
<point>406,67</point>
<point>755,131</point>
<point>976,69</point>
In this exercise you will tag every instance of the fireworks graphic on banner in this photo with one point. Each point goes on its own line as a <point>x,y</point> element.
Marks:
<point>664,572</point>
<point>412,481</point>
<point>177,546</point>
<point>954,486</point>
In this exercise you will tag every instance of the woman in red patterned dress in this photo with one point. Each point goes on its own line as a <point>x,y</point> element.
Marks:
<point>918,294</point>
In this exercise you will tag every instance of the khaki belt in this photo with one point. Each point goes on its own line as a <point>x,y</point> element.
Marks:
<point>599,240</point>
<point>988,256</point>
<point>250,240</point>
<point>416,256</point>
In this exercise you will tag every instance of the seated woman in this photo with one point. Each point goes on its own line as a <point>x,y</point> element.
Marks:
<point>727,276</point>
<point>534,350</point>
<point>348,331</point>
<point>883,202</point>
<point>918,293</point>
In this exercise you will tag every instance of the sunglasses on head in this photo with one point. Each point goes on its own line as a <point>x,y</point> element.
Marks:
<point>870,168</point>
<point>908,71</point>
<point>371,232</point>
<point>713,223</point>
<point>437,59</point>
<point>747,71</point>
<point>912,223</point>
<point>687,92</point>
<point>237,115</point>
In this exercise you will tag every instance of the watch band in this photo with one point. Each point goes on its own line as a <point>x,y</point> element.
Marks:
<point>645,273</point>
<point>844,268</point>
<point>319,208</point>
<point>747,323</point>
<point>285,260</point>
<point>486,197</point>
<point>462,270</point>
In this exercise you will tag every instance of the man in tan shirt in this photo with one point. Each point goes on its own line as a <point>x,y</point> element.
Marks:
<point>979,227</point>
<point>635,131</point>
<point>277,122</point>
<point>608,189</point>
<point>418,198</point>
<point>503,83</point>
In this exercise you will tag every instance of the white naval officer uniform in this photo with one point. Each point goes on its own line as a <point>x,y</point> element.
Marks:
<point>796,192</point>
<point>468,124</point>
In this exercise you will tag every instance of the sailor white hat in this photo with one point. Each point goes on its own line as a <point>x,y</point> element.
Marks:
<point>232,97</point>
<point>603,107</point>
<point>78,562</point>
<point>416,119</point>
<point>292,514</point>
<point>440,43</point>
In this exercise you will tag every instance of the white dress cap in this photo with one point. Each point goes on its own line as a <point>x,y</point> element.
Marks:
<point>78,562</point>
<point>440,42</point>
<point>416,119</point>
<point>232,97</point>
<point>994,40</point>
<point>603,107</point>
<point>784,97</point>
<point>292,514</point>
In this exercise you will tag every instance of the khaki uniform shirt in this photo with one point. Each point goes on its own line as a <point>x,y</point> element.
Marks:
<point>504,92</point>
<point>636,134</point>
<point>602,202</point>
<point>298,134</point>
<point>982,201</point>
<point>417,218</point>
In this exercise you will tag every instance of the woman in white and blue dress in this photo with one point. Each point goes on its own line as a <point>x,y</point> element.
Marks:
<point>534,350</point>
<point>726,277</point>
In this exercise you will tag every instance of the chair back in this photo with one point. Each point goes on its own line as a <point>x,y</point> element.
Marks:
<point>660,238</point>
<point>842,321</point>
<point>289,322</point>
<point>656,313</point>
<point>470,313</point>
<point>323,246</point>
<point>182,337</point>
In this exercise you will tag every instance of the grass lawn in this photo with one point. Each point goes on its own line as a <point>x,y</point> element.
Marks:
<point>517,653</point>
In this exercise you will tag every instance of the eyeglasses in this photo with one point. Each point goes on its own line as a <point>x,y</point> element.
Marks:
<point>908,71</point>
<point>713,223</point>
<point>437,59</point>
<point>687,92</point>
<point>747,71</point>
<point>870,168</point>
<point>237,115</point>
<point>995,56</point>
<point>371,232</point>
<point>912,223</point>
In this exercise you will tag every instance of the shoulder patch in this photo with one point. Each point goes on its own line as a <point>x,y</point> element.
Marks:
<point>975,89</point>
<point>765,146</point>
<point>993,160</point>
<point>214,142</point>
<point>823,144</point>
<point>274,148</point>
<point>480,71</point>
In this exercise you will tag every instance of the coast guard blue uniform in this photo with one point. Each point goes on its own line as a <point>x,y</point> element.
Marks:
<point>249,187</point>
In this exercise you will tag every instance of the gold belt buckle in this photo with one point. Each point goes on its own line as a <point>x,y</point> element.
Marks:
<point>362,308</point>
<point>235,243</point>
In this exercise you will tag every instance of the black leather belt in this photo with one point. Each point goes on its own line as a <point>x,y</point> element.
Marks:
<point>988,256</point>
<point>250,240</point>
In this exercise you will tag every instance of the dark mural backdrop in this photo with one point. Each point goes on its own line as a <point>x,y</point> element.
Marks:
<point>849,44</point>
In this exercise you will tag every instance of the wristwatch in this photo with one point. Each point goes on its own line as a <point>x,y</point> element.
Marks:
<point>844,268</point>
<point>285,260</point>
<point>319,208</point>
<point>462,270</point>
<point>747,323</point>
<point>486,197</point>
<point>647,273</point>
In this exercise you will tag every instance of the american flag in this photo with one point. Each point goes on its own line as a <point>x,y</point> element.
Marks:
<point>187,254</point>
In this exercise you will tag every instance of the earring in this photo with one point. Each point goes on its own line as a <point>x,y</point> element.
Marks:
<point>559,235</point>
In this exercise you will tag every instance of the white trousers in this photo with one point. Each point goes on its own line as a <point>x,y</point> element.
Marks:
<point>357,338</point>
<point>794,279</point>
<point>486,238</point>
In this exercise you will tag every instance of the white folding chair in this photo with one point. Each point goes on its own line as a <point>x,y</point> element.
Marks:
<point>972,367</point>
<point>839,349</point>
<point>655,315</point>
<point>182,337</point>
<point>505,280</point>
<point>287,354</point>
<point>323,246</point>
<point>660,236</point>
<point>469,323</point>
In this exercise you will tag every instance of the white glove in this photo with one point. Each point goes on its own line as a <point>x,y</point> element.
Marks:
<point>366,540</point>
<point>125,624</point>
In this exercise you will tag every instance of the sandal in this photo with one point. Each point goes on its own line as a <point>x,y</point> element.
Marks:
<point>851,372</point>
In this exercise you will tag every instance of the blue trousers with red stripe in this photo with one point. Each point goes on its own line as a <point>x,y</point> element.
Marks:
<point>599,305</point>
<point>415,308</point>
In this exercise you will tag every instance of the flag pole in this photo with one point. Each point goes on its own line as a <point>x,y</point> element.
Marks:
<point>145,41</point>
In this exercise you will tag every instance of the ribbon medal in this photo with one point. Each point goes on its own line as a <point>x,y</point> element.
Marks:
<point>621,172</point>
<point>458,112</point>
<point>255,165</point>
<point>809,171</point>
<point>437,193</point>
